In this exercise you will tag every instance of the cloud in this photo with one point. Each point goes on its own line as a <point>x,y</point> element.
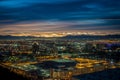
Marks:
<point>56,15</point>
<point>54,26</point>
<point>24,3</point>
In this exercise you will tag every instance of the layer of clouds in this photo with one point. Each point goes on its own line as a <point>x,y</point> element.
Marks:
<point>55,15</point>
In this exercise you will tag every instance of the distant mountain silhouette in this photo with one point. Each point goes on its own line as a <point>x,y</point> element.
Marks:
<point>15,37</point>
<point>91,36</point>
<point>65,37</point>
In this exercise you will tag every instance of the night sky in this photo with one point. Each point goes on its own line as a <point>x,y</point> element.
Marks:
<point>29,16</point>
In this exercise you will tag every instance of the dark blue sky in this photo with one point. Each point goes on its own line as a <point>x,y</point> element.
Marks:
<point>58,15</point>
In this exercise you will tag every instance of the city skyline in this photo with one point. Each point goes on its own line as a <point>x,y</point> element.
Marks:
<point>28,17</point>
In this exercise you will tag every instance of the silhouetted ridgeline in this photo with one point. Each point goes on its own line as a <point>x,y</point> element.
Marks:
<point>91,36</point>
<point>15,37</point>
<point>65,37</point>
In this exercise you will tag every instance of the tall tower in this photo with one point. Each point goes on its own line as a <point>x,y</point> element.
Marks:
<point>35,48</point>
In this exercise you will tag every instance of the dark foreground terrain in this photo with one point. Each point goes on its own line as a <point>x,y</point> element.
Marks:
<point>5,74</point>
<point>110,74</point>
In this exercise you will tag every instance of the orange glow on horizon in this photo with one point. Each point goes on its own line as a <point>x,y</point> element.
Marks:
<point>62,34</point>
